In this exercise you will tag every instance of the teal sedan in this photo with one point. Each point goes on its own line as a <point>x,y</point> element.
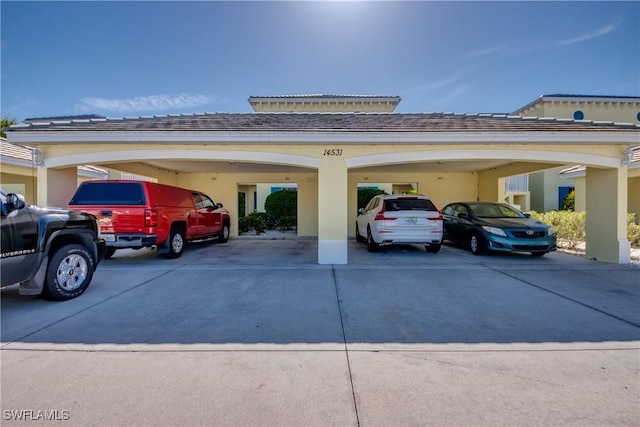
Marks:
<point>496,227</point>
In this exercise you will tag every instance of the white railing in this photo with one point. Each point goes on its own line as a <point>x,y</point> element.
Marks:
<point>516,183</point>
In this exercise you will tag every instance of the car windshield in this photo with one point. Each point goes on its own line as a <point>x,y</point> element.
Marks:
<point>494,210</point>
<point>409,204</point>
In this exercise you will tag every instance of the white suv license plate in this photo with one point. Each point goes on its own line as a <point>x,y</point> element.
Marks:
<point>108,237</point>
<point>411,220</point>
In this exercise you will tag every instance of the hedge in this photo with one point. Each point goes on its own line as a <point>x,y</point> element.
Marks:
<point>570,227</point>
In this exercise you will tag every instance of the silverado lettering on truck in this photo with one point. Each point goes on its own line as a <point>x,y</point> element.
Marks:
<point>138,214</point>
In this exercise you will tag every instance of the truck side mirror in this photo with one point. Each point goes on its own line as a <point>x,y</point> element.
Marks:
<point>219,205</point>
<point>14,202</point>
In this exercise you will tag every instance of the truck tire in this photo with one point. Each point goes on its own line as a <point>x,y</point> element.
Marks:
<point>176,242</point>
<point>108,253</point>
<point>223,237</point>
<point>69,273</point>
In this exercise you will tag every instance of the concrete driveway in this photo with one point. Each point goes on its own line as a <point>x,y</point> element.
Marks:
<point>254,333</point>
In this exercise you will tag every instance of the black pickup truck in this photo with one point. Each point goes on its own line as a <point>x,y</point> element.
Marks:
<point>50,252</point>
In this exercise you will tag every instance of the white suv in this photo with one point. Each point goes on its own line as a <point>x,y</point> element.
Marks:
<point>405,219</point>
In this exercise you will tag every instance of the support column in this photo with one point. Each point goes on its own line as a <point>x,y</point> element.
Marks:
<point>332,211</point>
<point>56,186</point>
<point>489,186</point>
<point>606,203</point>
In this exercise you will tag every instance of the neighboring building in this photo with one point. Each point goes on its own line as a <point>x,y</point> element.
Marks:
<point>317,103</point>
<point>548,188</point>
<point>577,175</point>
<point>19,174</point>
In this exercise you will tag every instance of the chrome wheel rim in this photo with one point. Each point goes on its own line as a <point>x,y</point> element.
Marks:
<point>72,272</point>
<point>474,244</point>
<point>177,243</point>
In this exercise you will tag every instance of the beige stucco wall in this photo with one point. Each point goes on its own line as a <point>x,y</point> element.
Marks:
<point>324,107</point>
<point>615,112</point>
<point>21,177</point>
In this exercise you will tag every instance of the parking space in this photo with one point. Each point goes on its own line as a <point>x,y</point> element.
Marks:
<point>255,332</point>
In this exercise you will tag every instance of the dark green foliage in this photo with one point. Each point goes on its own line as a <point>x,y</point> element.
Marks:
<point>366,194</point>
<point>287,222</point>
<point>569,202</point>
<point>253,221</point>
<point>241,204</point>
<point>282,203</point>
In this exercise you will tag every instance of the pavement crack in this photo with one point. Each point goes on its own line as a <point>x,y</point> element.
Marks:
<point>346,349</point>
<point>542,288</point>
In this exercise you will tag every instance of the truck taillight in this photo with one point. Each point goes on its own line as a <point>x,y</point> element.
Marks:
<point>438,218</point>
<point>150,218</point>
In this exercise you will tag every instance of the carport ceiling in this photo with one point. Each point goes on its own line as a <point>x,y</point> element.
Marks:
<point>207,166</point>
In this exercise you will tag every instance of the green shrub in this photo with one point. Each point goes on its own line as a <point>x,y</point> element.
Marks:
<point>283,203</point>
<point>287,222</point>
<point>633,230</point>
<point>241,204</point>
<point>569,201</point>
<point>253,221</point>
<point>570,227</point>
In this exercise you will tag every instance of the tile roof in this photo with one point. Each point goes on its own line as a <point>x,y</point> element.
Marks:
<point>325,122</point>
<point>578,170</point>
<point>15,152</point>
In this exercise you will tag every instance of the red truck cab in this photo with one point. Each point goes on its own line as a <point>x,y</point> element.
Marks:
<point>137,214</point>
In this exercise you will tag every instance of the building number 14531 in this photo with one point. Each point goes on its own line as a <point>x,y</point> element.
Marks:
<point>333,152</point>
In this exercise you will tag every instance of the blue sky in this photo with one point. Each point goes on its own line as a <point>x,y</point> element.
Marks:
<point>120,59</point>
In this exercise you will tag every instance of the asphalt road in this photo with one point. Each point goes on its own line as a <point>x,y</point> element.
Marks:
<point>255,333</point>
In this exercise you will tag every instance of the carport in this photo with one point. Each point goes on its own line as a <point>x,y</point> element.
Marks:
<point>449,156</point>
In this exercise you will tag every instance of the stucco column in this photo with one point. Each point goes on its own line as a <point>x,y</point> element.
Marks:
<point>56,186</point>
<point>489,189</point>
<point>606,202</point>
<point>332,211</point>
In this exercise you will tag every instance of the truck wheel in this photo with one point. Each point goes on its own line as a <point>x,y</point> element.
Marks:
<point>108,253</point>
<point>223,237</point>
<point>69,273</point>
<point>176,243</point>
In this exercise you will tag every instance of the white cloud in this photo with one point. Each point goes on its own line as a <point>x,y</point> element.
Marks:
<point>143,103</point>
<point>488,51</point>
<point>434,85</point>
<point>591,35</point>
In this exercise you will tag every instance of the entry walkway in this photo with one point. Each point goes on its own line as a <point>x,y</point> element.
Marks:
<point>256,335</point>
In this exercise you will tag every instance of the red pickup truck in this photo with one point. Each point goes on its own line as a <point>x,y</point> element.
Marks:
<point>137,214</point>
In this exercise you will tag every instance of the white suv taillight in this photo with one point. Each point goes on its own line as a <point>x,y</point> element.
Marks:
<point>381,217</point>
<point>438,218</point>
